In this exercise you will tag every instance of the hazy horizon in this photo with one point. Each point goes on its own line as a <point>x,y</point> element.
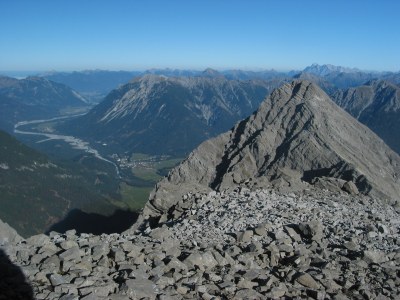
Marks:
<point>27,73</point>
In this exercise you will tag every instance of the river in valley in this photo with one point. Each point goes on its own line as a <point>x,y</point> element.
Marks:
<point>74,142</point>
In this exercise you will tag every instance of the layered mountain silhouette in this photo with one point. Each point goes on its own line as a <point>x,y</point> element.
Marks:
<point>33,98</point>
<point>377,105</point>
<point>297,135</point>
<point>169,115</point>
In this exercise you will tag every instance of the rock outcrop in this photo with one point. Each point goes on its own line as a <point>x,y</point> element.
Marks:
<point>297,136</point>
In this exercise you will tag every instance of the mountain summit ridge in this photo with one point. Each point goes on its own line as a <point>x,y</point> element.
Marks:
<point>297,135</point>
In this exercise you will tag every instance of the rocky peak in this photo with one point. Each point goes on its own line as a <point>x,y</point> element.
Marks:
<point>297,136</point>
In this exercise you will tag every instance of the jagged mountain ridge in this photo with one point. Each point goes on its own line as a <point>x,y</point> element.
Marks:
<point>326,69</point>
<point>298,134</point>
<point>34,97</point>
<point>169,115</point>
<point>377,105</point>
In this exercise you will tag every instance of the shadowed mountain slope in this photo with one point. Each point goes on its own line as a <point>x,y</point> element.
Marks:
<point>377,105</point>
<point>37,192</point>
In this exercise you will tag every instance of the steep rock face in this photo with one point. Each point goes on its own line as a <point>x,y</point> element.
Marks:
<point>377,105</point>
<point>298,134</point>
<point>162,115</point>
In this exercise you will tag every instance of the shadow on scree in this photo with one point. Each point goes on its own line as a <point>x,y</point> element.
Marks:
<point>83,222</point>
<point>13,284</point>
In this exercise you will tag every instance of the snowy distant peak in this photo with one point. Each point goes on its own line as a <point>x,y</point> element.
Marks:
<point>323,70</point>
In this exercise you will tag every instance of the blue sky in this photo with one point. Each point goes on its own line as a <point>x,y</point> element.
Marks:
<point>134,35</point>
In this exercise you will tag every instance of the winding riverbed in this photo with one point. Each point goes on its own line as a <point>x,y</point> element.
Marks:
<point>74,142</point>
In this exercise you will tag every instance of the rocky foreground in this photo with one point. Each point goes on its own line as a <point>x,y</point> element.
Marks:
<point>230,245</point>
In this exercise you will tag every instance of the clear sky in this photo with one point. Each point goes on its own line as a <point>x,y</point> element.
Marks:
<point>67,35</point>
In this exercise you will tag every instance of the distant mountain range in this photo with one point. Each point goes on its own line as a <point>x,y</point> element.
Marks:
<point>331,77</point>
<point>169,115</point>
<point>324,70</point>
<point>93,84</point>
<point>34,98</point>
<point>37,192</point>
<point>377,105</point>
<point>96,84</point>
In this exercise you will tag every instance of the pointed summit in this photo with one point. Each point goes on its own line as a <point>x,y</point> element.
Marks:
<point>297,136</point>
